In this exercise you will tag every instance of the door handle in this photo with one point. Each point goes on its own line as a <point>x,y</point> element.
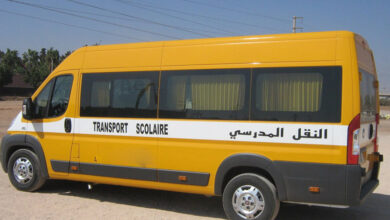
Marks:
<point>68,125</point>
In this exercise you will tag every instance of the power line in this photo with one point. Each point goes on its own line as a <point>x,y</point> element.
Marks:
<point>238,11</point>
<point>114,17</point>
<point>90,18</point>
<point>147,8</point>
<point>207,17</point>
<point>94,14</point>
<point>69,25</point>
<point>139,18</point>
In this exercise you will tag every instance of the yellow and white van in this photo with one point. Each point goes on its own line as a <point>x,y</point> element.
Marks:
<point>257,119</point>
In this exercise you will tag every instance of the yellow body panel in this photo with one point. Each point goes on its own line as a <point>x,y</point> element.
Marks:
<point>285,50</point>
<point>121,151</point>
<point>57,146</point>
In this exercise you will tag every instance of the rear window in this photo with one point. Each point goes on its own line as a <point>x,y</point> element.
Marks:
<point>368,102</point>
<point>297,94</point>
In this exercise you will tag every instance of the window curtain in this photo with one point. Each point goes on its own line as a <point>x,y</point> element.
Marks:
<point>217,92</point>
<point>300,92</point>
<point>206,92</point>
<point>176,92</point>
<point>100,94</point>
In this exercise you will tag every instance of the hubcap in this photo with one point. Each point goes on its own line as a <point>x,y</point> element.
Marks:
<point>248,202</point>
<point>23,170</point>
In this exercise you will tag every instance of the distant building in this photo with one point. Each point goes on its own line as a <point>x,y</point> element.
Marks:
<point>18,87</point>
<point>384,96</point>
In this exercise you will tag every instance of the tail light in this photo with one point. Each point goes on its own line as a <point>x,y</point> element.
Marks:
<point>376,133</point>
<point>353,147</point>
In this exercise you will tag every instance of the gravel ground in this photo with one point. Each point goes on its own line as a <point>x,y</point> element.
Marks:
<point>72,200</point>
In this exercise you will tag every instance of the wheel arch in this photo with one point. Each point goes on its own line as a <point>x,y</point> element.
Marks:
<point>244,163</point>
<point>12,143</point>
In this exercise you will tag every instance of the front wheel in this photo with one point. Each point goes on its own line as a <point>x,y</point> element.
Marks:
<point>24,170</point>
<point>250,196</point>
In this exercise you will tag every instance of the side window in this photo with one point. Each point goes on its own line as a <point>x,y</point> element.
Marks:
<point>133,93</point>
<point>119,95</point>
<point>60,95</point>
<point>205,94</point>
<point>42,100</point>
<point>297,94</point>
<point>53,100</point>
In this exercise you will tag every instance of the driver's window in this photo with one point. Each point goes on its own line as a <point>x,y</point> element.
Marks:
<point>53,100</point>
<point>60,97</point>
<point>41,101</point>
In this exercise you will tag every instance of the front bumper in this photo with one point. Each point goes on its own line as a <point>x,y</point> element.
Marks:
<point>4,143</point>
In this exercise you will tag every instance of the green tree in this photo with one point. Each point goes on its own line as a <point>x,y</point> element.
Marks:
<point>38,65</point>
<point>35,71</point>
<point>52,59</point>
<point>9,62</point>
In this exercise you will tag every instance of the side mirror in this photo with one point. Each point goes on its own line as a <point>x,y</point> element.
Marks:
<point>27,109</point>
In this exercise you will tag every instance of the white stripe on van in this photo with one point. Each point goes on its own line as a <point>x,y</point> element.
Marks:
<point>303,133</point>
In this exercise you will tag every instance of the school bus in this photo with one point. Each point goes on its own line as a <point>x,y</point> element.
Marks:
<point>258,120</point>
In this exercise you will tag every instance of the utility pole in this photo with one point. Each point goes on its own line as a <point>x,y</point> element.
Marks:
<point>295,28</point>
<point>51,66</point>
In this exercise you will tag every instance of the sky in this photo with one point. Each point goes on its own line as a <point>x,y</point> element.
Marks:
<point>69,24</point>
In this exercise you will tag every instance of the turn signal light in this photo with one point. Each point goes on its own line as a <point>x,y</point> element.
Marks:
<point>183,178</point>
<point>375,157</point>
<point>314,189</point>
<point>74,168</point>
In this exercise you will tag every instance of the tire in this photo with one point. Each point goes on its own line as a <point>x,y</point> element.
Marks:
<point>24,170</point>
<point>250,196</point>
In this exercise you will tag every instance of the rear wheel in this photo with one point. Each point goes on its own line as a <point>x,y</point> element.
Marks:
<point>250,196</point>
<point>24,170</point>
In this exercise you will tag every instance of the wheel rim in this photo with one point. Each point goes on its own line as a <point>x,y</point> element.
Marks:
<point>248,202</point>
<point>23,170</point>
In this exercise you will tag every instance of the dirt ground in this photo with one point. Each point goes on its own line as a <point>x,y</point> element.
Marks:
<point>72,200</point>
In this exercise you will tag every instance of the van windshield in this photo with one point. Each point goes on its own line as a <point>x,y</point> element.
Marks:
<point>368,101</point>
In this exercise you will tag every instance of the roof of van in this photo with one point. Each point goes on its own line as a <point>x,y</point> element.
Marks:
<point>272,37</point>
<point>93,55</point>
